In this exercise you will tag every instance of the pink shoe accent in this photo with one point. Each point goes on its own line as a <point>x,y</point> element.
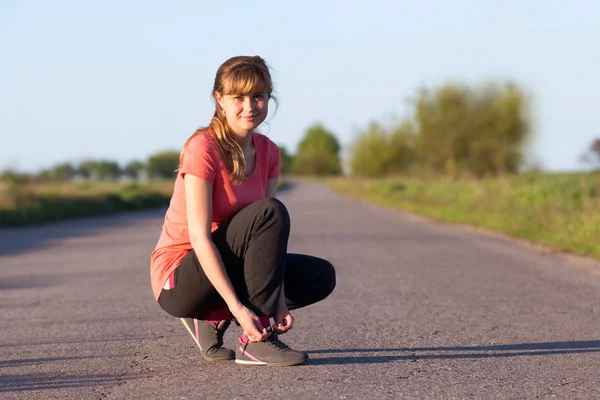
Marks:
<point>244,352</point>
<point>196,327</point>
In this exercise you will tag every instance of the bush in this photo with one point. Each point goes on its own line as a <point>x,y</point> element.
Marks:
<point>377,153</point>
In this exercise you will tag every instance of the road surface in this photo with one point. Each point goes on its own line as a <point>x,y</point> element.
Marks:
<point>421,310</point>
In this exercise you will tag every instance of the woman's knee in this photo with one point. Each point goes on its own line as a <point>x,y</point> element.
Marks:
<point>328,278</point>
<point>274,209</point>
<point>323,282</point>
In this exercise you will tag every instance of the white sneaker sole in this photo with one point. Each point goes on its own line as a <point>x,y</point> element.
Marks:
<point>249,362</point>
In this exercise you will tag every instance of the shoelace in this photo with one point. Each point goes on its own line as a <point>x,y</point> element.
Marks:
<point>274,340</point>
<point>219,337</point>
<point>220,332</point>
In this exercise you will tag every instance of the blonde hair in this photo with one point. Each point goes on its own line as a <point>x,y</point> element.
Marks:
<point>238,75</point>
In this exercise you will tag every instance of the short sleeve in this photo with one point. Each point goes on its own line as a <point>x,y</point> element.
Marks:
<point>274,162</point>
<point>200,158</point>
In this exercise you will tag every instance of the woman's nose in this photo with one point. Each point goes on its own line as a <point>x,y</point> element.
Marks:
<point>249,103</point>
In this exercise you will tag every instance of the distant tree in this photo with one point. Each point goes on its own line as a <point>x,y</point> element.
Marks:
<point>134,169</point>
<point>44,175</point>
<point>99,170</point>
<point>402,142</point>
<point>377,152</point>
<point>163,165</point>
<point>480,132</point>
<point>13,188</point>
<point>286,159</point>
<point>318,153</point>
<point>85,169</point>
<point>62,172</point>
<point>595,148</point>
<point>442,119</point>
<point>12,176</point>
<point>592,155</point>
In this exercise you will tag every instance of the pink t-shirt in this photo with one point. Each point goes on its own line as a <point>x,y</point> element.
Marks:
<point>202,158</point>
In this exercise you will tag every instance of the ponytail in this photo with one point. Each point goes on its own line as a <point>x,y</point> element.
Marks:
<point>231,151</point>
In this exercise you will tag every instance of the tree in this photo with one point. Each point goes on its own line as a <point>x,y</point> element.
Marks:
<point>134,169</point>
<point>402,142</point>
<point>100,170</point>
<point>592,156</point>
<point>14,177</point>
<point>479,132</point>
<point>595,148</point>
<point>377,152</point>
<point>163,165</point>
<point>286,159</point>
<point>369,153</point>
<point>62,172</point>
<point>442,119</point>
<point>318,153</point>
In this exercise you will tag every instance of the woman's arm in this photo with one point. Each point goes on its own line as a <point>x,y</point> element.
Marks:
<point>272,187</point>
<point>198,196</point>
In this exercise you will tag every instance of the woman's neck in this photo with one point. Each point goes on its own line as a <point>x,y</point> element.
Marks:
<point>245,141</point>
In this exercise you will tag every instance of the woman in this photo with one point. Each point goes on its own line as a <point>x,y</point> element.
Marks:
<point>222,254</point>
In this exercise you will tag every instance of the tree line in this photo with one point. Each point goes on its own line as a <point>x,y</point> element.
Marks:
<point>161,165</point>
<point>454,130</point>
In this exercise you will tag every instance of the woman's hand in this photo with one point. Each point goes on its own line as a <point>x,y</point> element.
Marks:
<point>250,324</point>
<point>283,321</point>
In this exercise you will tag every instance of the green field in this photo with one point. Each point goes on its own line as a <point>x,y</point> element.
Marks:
<point>561,210</point>
<point>35,203</point>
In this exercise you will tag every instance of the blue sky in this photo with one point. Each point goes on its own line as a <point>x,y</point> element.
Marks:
<point>124,79</point>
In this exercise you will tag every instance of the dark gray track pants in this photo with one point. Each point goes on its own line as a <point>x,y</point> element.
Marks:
<point>253,246</point>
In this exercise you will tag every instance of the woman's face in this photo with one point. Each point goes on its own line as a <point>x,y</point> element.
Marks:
<point>245,112</point>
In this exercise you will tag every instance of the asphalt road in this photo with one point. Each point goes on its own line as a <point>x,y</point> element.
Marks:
<point>421,310</point>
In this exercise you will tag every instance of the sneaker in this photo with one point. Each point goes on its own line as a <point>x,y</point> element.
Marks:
<point>209,337</point>
<point>271,352</point>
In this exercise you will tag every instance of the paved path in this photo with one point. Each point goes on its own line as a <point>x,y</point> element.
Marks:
<point>421,310</point>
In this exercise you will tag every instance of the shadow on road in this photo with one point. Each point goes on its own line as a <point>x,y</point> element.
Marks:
<point>21,239</point>
<point>494,351</point>
<point>44,381</point>
<point>55,342</point>
<point>34,361</point>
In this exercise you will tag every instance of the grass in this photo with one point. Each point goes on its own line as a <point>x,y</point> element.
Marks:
<point>36,203</point>
<point>558,210</point>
